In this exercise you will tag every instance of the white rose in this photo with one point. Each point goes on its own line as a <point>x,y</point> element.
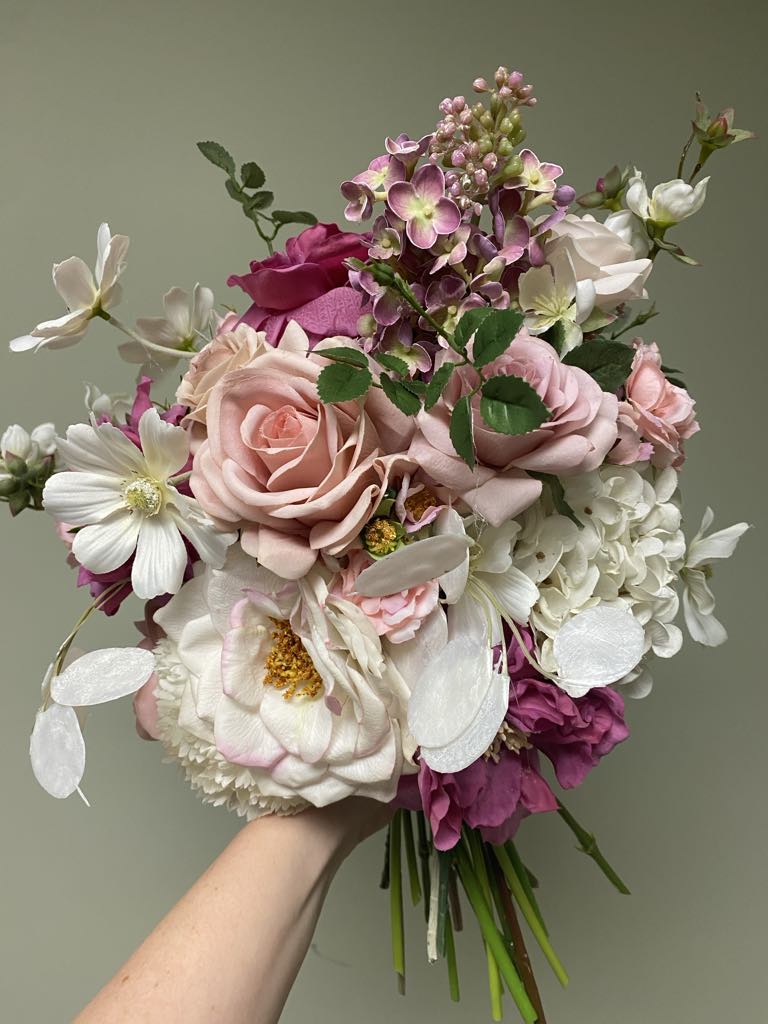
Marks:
<point>631,230</point>
<point>669,203</point>
<point>600,255</point>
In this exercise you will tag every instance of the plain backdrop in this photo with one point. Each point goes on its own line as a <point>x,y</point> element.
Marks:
<point>102,104</point>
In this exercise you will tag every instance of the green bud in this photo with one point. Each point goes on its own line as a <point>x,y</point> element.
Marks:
<point>382,273</point>
<point>487,120</point>
<point>512,168</point>
<point>506,127</point>
<point>505,148</point>
<point>590,200</point>
<point>7,486</point>
<point>15,465</point>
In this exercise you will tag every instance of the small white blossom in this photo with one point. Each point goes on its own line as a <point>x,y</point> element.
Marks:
<point>698,599</point>
<point>669,203</point>
<point>186,320</point>
<point>552,294</point>
<point>86,294</point>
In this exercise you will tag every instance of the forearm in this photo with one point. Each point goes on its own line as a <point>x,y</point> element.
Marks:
<point>230,950</point>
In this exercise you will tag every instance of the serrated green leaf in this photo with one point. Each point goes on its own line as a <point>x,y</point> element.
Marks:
<point>345,354</point>
<point>234,191</point>
<point>607,362</point>
<point>218,156</point>
<point>555,336</point>
<point>293,217</point>
<point>509,405</point>
<point>461,432</point>
<point>418,387</point>
<point>467,325</point>
<point>252,175</point>
<point>399,395</point>
<point>558,496</point>
<point>393,363</point>
<point>259,201</point>
<point>494,335</point>
<point>436,386</point>
<point>341,382</point>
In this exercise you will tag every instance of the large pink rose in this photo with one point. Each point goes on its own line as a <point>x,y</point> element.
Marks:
<point>307,283</point>
<point>661,413</point>
<point>579,433</point>
<point>298,476</point>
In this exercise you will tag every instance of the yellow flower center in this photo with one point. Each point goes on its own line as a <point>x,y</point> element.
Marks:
<point>288,666</point>
<point>143,495</point>
<point>418,504</point>
<point>381,537</point>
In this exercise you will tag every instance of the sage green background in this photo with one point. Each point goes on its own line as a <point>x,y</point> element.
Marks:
<point>101,106</point>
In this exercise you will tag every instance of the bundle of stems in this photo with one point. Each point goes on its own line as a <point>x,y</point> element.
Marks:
<point>500,891</point>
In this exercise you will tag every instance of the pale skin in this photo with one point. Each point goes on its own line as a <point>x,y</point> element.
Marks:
<point>231,948</point>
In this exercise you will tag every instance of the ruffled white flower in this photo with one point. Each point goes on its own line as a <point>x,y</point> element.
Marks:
<point>552,294</point>
<point>86,294</point>
<point>668,204</point>
<point>124,502</point>
<point>698,599</point>
<point>627,553</point>
<point>187,320</point>
<point>598,254</point>
<point>275,695</point>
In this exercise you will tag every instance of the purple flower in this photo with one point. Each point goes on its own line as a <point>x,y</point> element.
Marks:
<point>535,175</point>
<point>382,172</point>
<point>406,149</point>
<point>424,207</point>
<point>386,241</point>
<point>359,198</point>
<point>454,249</point>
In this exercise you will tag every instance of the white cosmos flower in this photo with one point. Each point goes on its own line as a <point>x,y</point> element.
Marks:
<point>84,293</point>
<point>552,294</point>
<point>187,318</point>
<point>276,694</point>
<point>698,599</point>
<point>123,502</point>
<point>668,204</point>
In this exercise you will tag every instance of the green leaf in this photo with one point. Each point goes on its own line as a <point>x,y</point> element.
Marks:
<point>418,387</point>
<point>467,325</point>
<point>678,382</point>
<point>218,156</point>
<point>494,335</point>
<point>342,383</point>
<point>607,362</point>
<point>344,354</point>
<point>511,406</point>
<point>252,175</point>
<point>234,190</point>
<point>436,386</point>
<point>461,433</point>
<point>393,363</point>
<point>293,217</point>
<point>555,336</point>
<point>400,396</point>
<point>558,496</point>
<point>259,201</point>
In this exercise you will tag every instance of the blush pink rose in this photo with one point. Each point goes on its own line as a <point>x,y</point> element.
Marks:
<point>307,283</point>
<point>580,432</point>
<point>234,345</point>
<point>396,616</point>
<point>298,476</point>
<point>662,413</point>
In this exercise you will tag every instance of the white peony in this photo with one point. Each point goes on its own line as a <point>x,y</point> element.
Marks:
<point>627,553</point>
<point>275,695</point>
<point>86,294</point>
<point>598,254</point>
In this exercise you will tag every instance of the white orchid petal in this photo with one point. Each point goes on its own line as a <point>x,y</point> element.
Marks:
<point>57,751</point>
<point>411,565</point>
<point>515,592</point>
<point>703,626</point>
<point>103,236</point>
<point>74,283</point>
<point>101,676</point>
<point>177,310</point>
<point>452,583</point>
<point>597,647</point>
<point>720,544</point>
<point>161,558</point>
<point>114,264</point>
<point>474,742</point>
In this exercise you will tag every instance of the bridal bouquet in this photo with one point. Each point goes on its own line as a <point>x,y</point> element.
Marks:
<point>409,525</point>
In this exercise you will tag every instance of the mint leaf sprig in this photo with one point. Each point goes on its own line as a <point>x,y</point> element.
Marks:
<point>248,190</point>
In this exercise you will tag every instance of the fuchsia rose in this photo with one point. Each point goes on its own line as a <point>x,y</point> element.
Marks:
<point>298,476</point>
<point>662,413</point>
<point>495,794</point>
<point>581,430</point>
<point>396,616</point>
<point>307,283</point>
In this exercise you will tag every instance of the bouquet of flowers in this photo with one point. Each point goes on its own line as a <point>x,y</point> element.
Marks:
<point>409,526</point>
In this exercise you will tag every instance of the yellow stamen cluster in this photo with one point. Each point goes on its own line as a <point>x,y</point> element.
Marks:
<point>420,503</point>
<point>288,666</point>
<point>510,737</point>
<point>381,537</point>
<point>143,495</point>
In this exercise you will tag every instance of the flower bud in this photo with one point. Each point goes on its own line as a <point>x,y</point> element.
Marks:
<point>16,467</point>
<point>480,85</point>
<point>15,441</point>
<point>8,485</point>
<point>512,168</point>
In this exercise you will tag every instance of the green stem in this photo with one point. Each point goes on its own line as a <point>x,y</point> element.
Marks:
<point>519,951</point>
<point>523,874</point>
<point>529,914</point>
<point>684,154</point>
<point>450,957</point>
<point>384,882</point>
<point>421,827</point>
<point>396,902</point>
<point>174,353</point>
<point>410,854</point>
<point>588,845</point>
<point>494,977</point>
<point>402,288</point>
<point>492,936</point>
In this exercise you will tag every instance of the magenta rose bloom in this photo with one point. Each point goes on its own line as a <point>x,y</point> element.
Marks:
<point>307,283</point>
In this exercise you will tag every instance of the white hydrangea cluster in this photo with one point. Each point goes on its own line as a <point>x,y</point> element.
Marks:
<point>627,552</point>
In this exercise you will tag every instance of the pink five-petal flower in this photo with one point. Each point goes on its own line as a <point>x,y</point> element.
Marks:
<point>423,205</point>
<point>359,200</point>
<point>536,176</point>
